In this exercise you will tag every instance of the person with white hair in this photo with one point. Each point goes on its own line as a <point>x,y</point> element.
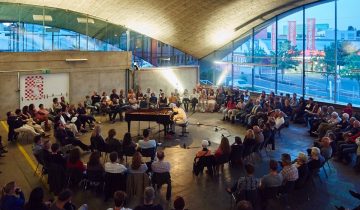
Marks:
<point>330,124</point>
<point>315,160</point>
<point>179,117</point>
<point>149,197</point>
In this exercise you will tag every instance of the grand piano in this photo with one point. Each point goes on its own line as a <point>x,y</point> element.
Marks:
<point>160,116</point>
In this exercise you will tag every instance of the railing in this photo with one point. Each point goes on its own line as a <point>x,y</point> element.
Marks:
<point>206,82</point>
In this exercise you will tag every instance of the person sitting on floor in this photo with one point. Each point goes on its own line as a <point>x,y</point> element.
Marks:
<point>113,166</point>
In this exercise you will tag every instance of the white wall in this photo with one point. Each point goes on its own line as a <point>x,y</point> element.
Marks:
<point>167,79</point>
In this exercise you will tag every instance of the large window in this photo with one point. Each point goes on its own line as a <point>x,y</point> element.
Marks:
<point>264,57</point>
<point>306,50</point>
<point>289,52</point>
<point>320,51</point>
<point>348,51</point>
<point>27,28</point>
<point>242,55</point>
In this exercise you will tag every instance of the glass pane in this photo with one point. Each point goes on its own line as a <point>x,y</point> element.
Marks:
<point>348,52</point>
<point>242,55</point>
<point>264,57</point>
<point>320,52</point>
<point>215,69</point>
<point>290,49</point>
<point>33,29</point>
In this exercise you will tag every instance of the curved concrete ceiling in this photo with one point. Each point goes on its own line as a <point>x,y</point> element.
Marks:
<point>197,27</point>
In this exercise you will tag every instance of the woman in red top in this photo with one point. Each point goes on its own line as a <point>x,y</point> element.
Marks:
<point>74,161</point>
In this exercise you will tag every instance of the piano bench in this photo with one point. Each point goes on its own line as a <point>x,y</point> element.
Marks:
<point>183,129</point>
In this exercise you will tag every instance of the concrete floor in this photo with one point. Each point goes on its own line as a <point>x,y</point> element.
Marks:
<point>200,192</point>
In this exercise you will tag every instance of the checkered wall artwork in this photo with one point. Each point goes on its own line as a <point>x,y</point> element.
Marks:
<point>34,87</point>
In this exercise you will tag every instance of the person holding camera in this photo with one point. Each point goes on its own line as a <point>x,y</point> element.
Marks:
<point>13,198</point>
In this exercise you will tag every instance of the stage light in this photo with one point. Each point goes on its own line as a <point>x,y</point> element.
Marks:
<point>225,71</point>
<point>171,77</point>
<point>219,62</point>
<point>221,37</point>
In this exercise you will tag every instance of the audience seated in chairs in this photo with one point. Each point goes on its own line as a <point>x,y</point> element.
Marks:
<point>222,154</point>
<point>147,145</point>
<point>204,158</point>
<point>65,137</point>
<point>137,165</point>
<point>246,188</point>
<point>289,171</point>
<point>303,169</point>
<point>97,141</point>
<point>236,151</point>
<point>149,196</point>
<point>113,144</point>
<point>273,178</point>
<point>161,173</point>
<point>94,172</point>
<point>113,166</point>
<point>129,146</point>
<point>244,205</point>
<point>36,200</point>
<point>13,198</point>
<point>74,168</point>
<point>119,201</point>
<point>179,203</point>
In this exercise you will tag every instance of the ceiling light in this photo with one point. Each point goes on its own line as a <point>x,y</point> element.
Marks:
<point>75,59</point>
<point>42,18</point>
<point>85,20</point>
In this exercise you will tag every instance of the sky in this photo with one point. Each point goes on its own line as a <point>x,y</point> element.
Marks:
<point>348,14</point>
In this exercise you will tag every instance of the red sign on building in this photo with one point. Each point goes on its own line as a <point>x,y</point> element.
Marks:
<point>292,32</point>
<point>310,34</point>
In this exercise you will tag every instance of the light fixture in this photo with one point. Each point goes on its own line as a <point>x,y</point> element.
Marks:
<point>75,59</point>
<point>47,18</point>
<point>85,20</point>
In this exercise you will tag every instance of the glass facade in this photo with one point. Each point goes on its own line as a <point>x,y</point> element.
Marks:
<point>25,28</point>
<point>313,50</point>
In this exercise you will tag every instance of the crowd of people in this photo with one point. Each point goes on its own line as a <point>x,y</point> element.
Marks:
<point>338,135</point>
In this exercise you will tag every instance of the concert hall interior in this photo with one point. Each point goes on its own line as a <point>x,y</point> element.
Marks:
<point>179,104</point>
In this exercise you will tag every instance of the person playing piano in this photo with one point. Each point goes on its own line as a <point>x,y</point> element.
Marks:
<point>179,117</point>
